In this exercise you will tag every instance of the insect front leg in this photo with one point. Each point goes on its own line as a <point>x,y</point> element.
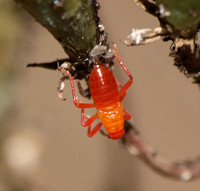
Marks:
<point>77,102</point>
<point>130,81</point>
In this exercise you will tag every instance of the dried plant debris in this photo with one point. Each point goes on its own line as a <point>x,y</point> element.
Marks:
<point>178,19</point>
<point>179,22</point>
<point>144,36</point>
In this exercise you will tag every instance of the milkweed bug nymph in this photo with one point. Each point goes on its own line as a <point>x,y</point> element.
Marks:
<point>107,94</point>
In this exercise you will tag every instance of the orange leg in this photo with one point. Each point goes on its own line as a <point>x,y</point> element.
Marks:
<point>128,84</point>
<point>120,86</point>
<point>124,93</point>
<point>77,102</point>
<point>127,116</point>
<point>94,130</point>
<point>88,123</point>
<point>89,119</point>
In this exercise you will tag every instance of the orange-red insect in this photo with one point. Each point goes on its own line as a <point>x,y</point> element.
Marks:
<point>107,99</point>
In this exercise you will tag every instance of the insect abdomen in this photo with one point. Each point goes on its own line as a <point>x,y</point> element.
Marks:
<point>103,86</point>
<point>113,120</point>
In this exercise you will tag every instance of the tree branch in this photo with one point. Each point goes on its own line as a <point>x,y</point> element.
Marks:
<point>179,22</point>
<point>148,5</point>
<point>183,171</point>
<point>74,23</point>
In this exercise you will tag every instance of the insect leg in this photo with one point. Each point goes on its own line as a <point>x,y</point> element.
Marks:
<point>94,130</point>
<point>89,119</point>
<point>118,84</point>
<point>122,94</point>
<point>89,122</point>
<point>127,116</point>
<point>130,81</point>
<point>77,102</point>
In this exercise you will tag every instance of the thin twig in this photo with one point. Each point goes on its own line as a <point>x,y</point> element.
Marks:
<point>183,171</point>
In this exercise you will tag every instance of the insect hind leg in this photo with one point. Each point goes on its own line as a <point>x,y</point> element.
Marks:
<point>92,132</point>
<point>90,120</point>
<point>127,116</point>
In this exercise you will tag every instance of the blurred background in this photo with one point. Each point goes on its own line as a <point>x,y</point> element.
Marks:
<point>43,145</point>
